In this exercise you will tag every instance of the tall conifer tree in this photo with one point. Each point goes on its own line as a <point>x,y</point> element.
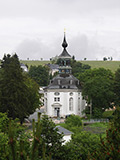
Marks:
<point>15,94</point>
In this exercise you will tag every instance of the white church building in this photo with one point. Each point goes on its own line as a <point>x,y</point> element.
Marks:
<point>63,96</point>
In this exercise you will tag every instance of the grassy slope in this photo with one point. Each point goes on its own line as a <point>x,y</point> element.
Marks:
<point>34,63</point>
<point>112,65</point>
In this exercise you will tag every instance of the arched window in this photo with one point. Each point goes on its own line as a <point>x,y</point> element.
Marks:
<point>46,104</point>
<point>71,104</point>
<point>79,104</point>
<point>58,81</point>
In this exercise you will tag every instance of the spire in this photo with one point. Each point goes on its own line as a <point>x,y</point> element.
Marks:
<point>64,44</point>
<point>64,53</point>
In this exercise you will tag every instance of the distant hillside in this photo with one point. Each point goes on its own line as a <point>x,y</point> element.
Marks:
<point>112,65</point>
<point>34,63</point>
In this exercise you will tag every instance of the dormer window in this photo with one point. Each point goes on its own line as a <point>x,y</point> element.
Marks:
<point>58,82</point>
<point>71,94</point>
<point>56,93</point>
<point>71,81</point>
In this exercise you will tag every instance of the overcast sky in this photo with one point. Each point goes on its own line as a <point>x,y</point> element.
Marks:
<point>34,29</point>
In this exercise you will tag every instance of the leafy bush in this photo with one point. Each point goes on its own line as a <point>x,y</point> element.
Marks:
<point>81,145</point>
<point>108,114</point>
<point>73,121</point>
<point>3,122</point>
<point>110,147</point>
<point>3,146</point>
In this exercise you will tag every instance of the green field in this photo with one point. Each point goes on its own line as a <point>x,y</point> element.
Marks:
<point>112,65</point>
<point>34,63</point>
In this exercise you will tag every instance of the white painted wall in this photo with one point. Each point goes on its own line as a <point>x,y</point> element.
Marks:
<point>64,96</point>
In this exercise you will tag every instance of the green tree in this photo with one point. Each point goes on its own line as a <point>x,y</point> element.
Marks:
<point>34,96</point>
<point>98,89</point>
<point>16,97</point>
<point>80,146</point>
<point>104,59</point>
<point>3,146</point>
<point>73,121</point>
<point>51,138</point>
<point>117,87</point>
<point>4,120</point>
<point>46,141</point>
<point>78,67</point>
<point>110,147</point>
<point>40,74</point>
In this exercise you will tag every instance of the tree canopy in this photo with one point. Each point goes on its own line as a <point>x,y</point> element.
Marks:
<point>40,74</point>
<point>78,67</point>
<point>18,94</point>
<point>117,87</point>
<point>98,88</point>
<point>51,138</point>
<point>110,146</point>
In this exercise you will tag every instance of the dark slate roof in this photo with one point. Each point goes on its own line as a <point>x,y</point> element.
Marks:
<point>61,82</point>
<point>52,66</point>
<point>65,54</point>
<point>63,130</point>
<point>21,64</point>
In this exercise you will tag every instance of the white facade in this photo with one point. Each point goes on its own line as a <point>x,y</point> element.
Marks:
<point>59,103</point>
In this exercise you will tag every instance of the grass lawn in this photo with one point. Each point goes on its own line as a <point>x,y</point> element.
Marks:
<point>112,65</point>
<point>96,128</point>
<point>34,63</point>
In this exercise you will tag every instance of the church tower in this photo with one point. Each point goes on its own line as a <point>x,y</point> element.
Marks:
<point>63,95</point>
<point>64,60</point>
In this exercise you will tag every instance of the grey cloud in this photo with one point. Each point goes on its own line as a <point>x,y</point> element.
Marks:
<point>83,47</point>
<point>35,49</point>
<point>29,49</point>
<point>31,18</point>
<point>53,8</point>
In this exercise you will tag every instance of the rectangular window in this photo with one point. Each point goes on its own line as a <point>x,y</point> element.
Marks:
<point>56,99</point>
